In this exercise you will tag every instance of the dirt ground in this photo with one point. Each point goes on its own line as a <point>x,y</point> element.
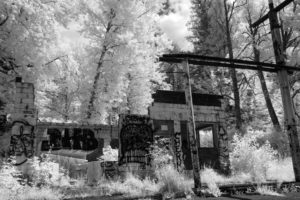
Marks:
<point>291,196</point>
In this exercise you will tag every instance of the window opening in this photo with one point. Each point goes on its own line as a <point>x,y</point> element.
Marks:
<point>206,137</point>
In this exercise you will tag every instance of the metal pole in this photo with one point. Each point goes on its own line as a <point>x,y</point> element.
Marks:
<point>194,143</point>
<point>289,112</point>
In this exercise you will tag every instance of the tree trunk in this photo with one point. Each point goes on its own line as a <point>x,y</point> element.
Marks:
<point>262,80</point>
<point>91,104</point>
<point>264,88</point>
<point>235,88</point>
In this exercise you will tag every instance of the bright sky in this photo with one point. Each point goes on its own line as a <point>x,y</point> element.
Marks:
<point>174,25</point>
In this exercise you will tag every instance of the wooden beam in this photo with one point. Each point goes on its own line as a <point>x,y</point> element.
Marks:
<point>218,64</point>
<point>290,121</point>
<point>224,62</point>
<point>266,16</point>
<point>194,143</point>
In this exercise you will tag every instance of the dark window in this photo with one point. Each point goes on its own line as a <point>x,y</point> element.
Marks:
<point>45,145</point>
<point>77,139</point>
<point>89,142</point>
<point>55,138</point>
<point>114,143</point>
<point>66,139</point>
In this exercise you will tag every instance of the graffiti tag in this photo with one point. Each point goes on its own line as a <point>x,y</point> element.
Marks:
<point>178,151</point>
<point>136,136</point>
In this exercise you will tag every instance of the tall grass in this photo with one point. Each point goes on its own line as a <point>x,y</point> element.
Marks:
<point>249,157</point>
<point>251,161</point>
<point>39,186</point>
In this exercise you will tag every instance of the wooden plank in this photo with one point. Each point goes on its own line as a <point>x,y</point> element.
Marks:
<point>224,62</point>
<point>227,60</point>
<point>266,16</point>
<point>289,110</point>
<point>194,143</point>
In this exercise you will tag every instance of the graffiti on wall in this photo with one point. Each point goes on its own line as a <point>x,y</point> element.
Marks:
<point>136,136</point>
<point>22,139</point>
<point>178,151</point>
<point>223,150</point>
<point>109,169</point>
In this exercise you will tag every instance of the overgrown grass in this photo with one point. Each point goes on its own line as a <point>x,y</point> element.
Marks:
<point>251,162</point>
<point>264,190</point>
<point>38,184</point>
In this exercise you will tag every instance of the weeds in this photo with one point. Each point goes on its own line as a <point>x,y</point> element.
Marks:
<point>251,158</point>
<point>264,190</point>
<point>250,162</point>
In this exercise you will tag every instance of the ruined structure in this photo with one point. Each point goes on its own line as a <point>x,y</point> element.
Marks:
<point>74,136</point>
<point>136,136</point>
<point>169,113</point>
<point>168,116</point>
<point>23,122</point>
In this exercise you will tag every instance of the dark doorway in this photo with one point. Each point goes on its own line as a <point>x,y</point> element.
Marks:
<point>208,151</point>
<point>55,138</point>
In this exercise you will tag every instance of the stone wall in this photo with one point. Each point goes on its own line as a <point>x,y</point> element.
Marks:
<point>23,122</point>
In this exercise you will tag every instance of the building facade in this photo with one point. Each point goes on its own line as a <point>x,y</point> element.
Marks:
<point>169,113</point>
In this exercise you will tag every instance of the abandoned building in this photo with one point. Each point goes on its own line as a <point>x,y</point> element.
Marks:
<point>167,117</point>
<point>169,113</point>
<point>74,136</point>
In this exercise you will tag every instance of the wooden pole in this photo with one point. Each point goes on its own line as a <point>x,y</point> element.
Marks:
<point>194,143</point>
<point>289,112</point>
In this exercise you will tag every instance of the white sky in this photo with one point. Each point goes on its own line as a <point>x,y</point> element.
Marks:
<point>173,25</point>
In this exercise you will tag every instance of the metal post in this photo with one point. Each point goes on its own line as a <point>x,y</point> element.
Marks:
<point>194,143</point>
<point>289,112</point>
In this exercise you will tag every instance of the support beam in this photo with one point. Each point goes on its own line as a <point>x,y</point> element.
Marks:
<point>194,143</point>
<point>277,9</point>
<point>225,62</point>
<point>289,111</point>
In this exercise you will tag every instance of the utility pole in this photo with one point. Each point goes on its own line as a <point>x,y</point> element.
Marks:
<point>194,143</point>
<point>289,112</point>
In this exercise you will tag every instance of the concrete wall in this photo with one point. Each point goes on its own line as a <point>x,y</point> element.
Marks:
<point>102,132</point>
<point>214,115</point>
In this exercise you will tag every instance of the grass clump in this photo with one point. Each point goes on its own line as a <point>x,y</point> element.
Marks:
<point>42,180</point>
<point>265,190</point>
<point>249,157</point>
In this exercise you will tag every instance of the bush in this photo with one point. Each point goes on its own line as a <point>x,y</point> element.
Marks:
<point>45,177</point>
<point>109,154</point>
<point>168,178</point>
<point>161,153</point>
<point>171,181</point>
<point>248,156</point>
<point>10,186</point>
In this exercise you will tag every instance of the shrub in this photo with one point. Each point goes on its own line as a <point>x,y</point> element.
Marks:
<point>109,154</point>
<point>265,190</point>
<point>10,186</point>
<point>45,172</point>
<point>248,156</point>
<point>171,181</point>
<point>161,153</point>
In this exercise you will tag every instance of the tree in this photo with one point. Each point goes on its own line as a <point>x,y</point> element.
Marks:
<point>124,42</point>
<point>26,28</point>
<point>209,21</point>
<point>256,39</point>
